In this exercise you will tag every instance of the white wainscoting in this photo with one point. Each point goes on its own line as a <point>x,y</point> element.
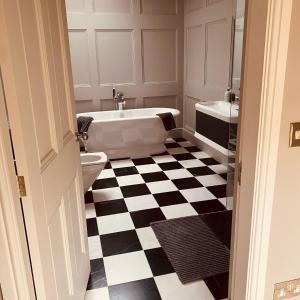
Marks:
<point>207,39</point>
<point>134,45</point>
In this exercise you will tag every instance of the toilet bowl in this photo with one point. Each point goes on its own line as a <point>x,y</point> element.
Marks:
<point>92,164</point>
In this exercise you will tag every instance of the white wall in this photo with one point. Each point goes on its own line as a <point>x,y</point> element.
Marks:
<point>207,36</point>
<point>136,45</point>
<point>284,249</point>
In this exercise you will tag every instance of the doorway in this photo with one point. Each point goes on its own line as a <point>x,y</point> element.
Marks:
<point>126,51</point>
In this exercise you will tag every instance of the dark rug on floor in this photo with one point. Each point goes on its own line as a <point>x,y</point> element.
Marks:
<point>195,249</point>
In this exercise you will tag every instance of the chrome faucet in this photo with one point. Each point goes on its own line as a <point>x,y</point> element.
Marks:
<point>83,139</point>
<point>119,100</point>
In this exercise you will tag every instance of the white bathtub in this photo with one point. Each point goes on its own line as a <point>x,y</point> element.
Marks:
<point>129,133</point>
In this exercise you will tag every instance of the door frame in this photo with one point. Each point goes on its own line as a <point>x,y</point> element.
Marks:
<point>15,272</point>
<point>264,68</point>
<point>266,45</point>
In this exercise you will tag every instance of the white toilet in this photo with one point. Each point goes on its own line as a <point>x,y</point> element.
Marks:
<point>92,164</point>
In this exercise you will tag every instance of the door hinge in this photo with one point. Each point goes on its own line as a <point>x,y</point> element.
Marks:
<point>239,173</point>
<point>22,186</point>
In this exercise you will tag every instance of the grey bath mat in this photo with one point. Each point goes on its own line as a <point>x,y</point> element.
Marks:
<point>192,248</point>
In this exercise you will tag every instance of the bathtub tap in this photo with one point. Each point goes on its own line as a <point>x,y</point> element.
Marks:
<point>120,101</point>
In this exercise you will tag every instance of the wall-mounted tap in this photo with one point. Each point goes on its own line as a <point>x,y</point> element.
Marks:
<point>83,139</point>
<point>119,100</point>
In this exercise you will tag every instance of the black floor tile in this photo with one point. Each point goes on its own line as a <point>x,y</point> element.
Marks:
<point>172,145</point>
<point>219,191</point>
<point>169,198</point>
<point>126,171</point>
<point>192,149</point>
<point>110,207</point>
<point>120,242</point>
<point>143,218</point>
<point>159,262</point>
<point>170,166</point>
<point>224,175</point>
<point>88,197</point>
<point>187,183</point>
<point>220,223</point>
<point>200,171</point>
<point>135,190</point>
<point>92,227</point>
<point>209,161</point>
<point>97,277</point>
<point>105,183</point>
<point>108,165</point>
<point>218,286</point>
<point>143,161</point>
<point>152,177</point>
<point>137,290</point>
<point>209,206</point>
<point>178,140</point>
<point>160,154</point>
<point>184,156</point>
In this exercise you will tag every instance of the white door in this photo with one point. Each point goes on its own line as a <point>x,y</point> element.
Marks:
<point>35,63</point>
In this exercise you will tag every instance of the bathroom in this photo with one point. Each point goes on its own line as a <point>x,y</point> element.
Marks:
<point>138,66</point>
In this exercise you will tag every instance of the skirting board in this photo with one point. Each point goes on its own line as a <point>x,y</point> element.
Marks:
<point>188,135</point>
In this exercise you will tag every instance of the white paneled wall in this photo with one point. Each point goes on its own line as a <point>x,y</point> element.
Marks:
<point>207,39</point>
<point>136,45</point>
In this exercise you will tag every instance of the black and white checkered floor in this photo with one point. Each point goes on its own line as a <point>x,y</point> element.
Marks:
<point>127,261</point>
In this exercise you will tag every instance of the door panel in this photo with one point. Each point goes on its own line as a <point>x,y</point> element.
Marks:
<point>36,71</point>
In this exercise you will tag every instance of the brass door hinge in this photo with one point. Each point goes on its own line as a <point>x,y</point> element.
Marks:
<point>22,186</point>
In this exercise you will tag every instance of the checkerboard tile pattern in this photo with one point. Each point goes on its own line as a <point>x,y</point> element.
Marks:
<point>127,261</point>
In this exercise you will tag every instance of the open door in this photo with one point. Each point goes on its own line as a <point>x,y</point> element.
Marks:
<point>35,63</point>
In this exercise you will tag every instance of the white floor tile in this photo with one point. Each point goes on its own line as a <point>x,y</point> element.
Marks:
<point>95,249</point>
<point>178,211</point>
<point>210,180</point>
<point>223,201</point>
<point>97,294</point>
<point>90,211</point>
<point>141,202</point>
<point>185,144</point>
<point>130,180</point>
<point>152,168</point>
<point>219,169</point>
<point>170,288</point>
<point>122,163</point>
<point>179,150</point>
<point>127,267</point>
<point>147,238</point>
<point>192,163</point>
<point>161,186</point>
<point>114,223</point>
<point>107,194</point>
<point>178,173</point>
<point>106,173</point>
<point>170,140</point>
<point>198,194</point>
<point>200,154</point>
<point>163,159</point>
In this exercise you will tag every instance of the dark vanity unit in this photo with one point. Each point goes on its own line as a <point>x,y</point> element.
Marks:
<point>216,122</point>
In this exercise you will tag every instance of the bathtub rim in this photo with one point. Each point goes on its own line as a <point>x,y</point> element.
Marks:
<point>174,111</point>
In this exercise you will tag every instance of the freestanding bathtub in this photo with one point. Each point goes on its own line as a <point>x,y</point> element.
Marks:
<point>129,133</point>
